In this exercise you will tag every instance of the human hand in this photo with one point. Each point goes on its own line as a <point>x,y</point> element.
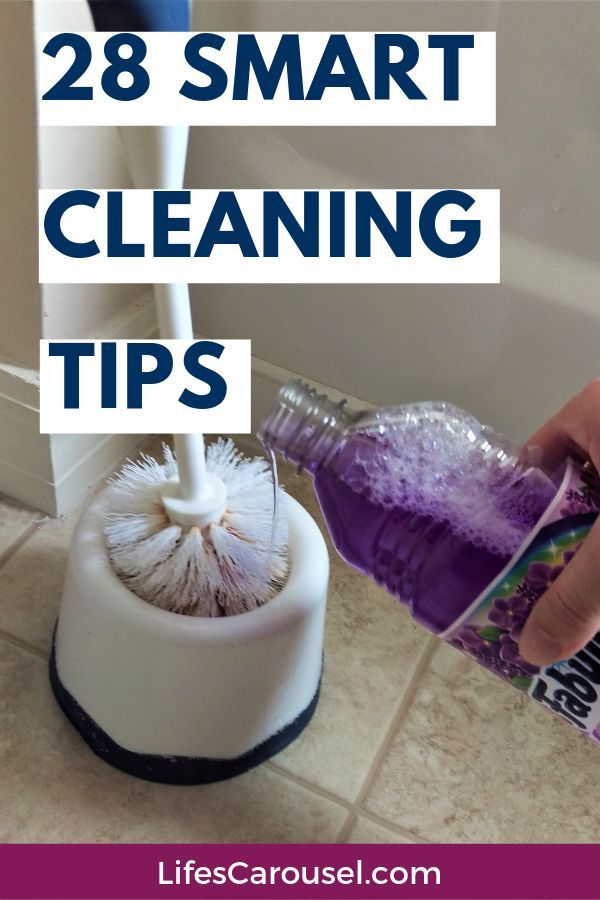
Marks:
<point>567,615</point>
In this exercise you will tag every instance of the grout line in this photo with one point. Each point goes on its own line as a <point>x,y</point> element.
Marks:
<point>29,531</point>
<point>411,836</point>
<point>347,827</point>
<point>397,719</point>
<point>22,645</point>
<point>403,707</point>
<point>309,785</point>
<point>355,808</point>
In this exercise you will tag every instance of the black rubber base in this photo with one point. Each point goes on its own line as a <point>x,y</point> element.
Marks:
<point>171,769</point>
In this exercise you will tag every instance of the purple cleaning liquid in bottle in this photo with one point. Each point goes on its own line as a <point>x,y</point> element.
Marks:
<point>447,515</point>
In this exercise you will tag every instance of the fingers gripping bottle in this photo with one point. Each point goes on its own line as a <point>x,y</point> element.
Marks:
<point>450,518</point>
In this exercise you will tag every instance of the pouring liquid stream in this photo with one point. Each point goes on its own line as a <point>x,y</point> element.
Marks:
<point>275,479</point>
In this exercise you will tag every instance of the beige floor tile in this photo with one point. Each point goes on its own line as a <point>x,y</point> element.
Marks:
<point>367,832</point>
<point>14,519</point>
<point>31,583</point>
<point>53,789</point>
<point>371,648</point>
<point>476,762</point>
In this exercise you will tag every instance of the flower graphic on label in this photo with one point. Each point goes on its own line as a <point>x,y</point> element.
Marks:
<point>540,576</point>
<point>496,651</point>
<point>511,613</point>
<point>509,652</point>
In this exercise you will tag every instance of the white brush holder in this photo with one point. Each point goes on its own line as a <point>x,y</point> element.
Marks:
<point>181,699</point>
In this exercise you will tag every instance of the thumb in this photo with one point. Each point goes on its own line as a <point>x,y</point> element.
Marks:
<point>567,615</point>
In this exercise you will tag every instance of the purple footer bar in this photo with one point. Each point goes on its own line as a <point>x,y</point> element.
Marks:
<point>306,871</point>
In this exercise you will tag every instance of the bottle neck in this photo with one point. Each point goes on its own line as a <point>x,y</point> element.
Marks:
<point>306,428</point>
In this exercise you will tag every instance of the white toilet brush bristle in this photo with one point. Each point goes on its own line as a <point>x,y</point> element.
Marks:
<point>222,569</point>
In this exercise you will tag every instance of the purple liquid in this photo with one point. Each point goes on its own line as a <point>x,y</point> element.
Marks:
<point>421,498</point>
<point>424,562</point>
<point>420,561</point>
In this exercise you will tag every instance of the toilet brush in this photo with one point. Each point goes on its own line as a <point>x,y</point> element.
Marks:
<point>205,533</point>
<point>188,699</point>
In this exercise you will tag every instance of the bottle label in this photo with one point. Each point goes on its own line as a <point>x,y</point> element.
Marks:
<point>489,630</point>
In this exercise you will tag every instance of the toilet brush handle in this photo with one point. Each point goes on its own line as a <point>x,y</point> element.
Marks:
<point>175,323</point>
<point>156,158</point>
<point>173,312</point>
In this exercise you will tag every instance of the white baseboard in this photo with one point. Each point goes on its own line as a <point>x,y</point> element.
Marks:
<point>267,378</point>
<point>25,458</point>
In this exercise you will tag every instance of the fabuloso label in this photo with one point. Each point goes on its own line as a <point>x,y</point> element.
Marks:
<point>489,631</point>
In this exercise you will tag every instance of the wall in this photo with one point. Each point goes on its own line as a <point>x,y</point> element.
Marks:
<point>510,353</point>
<point>73,157</point>
<point>19,297</point>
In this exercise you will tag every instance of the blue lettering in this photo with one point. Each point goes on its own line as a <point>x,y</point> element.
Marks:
<point>215,381</point>
<point>217,77</point>
<point>451,44</point>
<point>108,374</point>
<point>72,353</point>
<point>226,205</point>
<point>427,225</point>
<point>287,56</point>
<point>114,229</point>
<point>337,224</point>
<point>53,224</point>
<point>368,210</point>
<point>385,69</point>
<point>337,50</point>
<point>276,210</point>
<point>164,224</point>
<point>137,377</point>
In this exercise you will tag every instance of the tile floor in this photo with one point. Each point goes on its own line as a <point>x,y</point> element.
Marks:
<point>411,741</point>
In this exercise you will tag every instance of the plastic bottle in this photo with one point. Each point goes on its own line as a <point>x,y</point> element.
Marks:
<point>454,521</point>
